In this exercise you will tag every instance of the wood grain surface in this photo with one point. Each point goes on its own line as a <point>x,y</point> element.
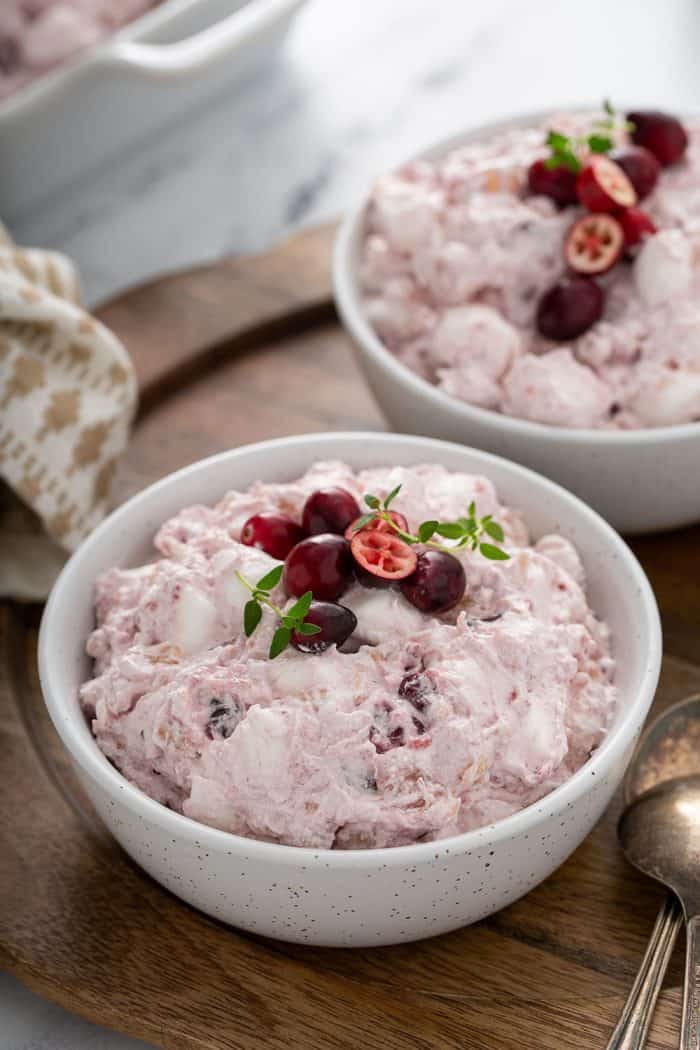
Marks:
<point>228,354</point>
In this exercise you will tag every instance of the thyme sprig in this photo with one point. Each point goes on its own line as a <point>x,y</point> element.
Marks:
<point>569,151</point>
<point>290,620</point>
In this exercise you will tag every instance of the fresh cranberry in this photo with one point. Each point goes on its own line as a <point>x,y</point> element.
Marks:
<point>383,554</point>
<point>570,307</point>
<point>594,243</point>
<point>416,688</point>
<point>557,183</point>
<point>379,523</point>
<point>275,534</point>
<point>322,564</point>
<point>640,166</point>
<point>336,622</point>
<point>603,186</point>
<point>437,584</point>
<point>660,133</point>
<point>636,225</point>
<point>329,510</point>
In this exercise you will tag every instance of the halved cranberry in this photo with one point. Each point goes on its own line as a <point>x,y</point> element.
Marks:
<point>275,534</point>
<point>557,183</point>
<point>378,523</point>
<point>660,133</point>
<point>594,243</point>
<point>336,622</point>
<point>322,564</point>
<point>640,166</point>
<point>437,584</point>
<point>636,225</point>
<point>570,307</point>
<point>329,510</point>
<point>383,554</point>
<point>417,689</point>
<point>603,186</point>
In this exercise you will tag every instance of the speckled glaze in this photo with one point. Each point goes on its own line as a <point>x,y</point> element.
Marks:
<point>353,897</point>
<point>637,479</point>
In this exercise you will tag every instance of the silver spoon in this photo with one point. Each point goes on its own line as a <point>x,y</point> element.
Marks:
<point>660,834</point>
<point>669,748</point>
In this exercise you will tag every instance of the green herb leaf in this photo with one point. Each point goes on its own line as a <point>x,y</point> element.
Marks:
<point>364,520</point>
<point>451,530</point>
<point>280,640</point>
<point>493,553</point>
<point>469,525</point>
<point>270,579</point>
<point>426,530</point>
<point>308,629</point>
<point>608,107</point>
<point>599,143</point>
<point>372,502</point>
<point>472,509</point>
<point>557,140</point>
<point>493,529</point>
<point>252,615</point>
<point>300,608</point>
<point>391,497</point>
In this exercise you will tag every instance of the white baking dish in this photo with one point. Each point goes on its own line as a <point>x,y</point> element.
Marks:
<point>83,114</point>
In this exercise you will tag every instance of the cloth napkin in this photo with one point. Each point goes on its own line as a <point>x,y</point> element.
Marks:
<point>67,398</point>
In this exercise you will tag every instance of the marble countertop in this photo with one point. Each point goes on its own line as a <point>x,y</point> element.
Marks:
<point>359,87</point>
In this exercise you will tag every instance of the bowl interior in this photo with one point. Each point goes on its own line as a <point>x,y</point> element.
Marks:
<point>618,590</point>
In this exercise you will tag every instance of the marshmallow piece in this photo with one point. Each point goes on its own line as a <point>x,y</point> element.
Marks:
<point>479,336</point>
<point>375,609</point>
<point>194,621</point>
<point>555,388</point>
<point>663,268</point>
<point>668,397</point>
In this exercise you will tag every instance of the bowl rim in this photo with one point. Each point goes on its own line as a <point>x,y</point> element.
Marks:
<point>348,303</point>
<point>90,760</point>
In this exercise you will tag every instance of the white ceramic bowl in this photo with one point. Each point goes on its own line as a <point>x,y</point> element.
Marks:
<point>640,480</point>
<point>354,897</point>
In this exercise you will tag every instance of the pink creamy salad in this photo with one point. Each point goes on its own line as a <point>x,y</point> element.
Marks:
<point>36,35</point>
<point>457,255</point>
<point>321,750</point>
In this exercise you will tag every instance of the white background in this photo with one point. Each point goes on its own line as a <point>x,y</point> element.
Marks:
<point>362,84</point>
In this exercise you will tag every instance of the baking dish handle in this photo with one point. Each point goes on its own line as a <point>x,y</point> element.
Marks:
<point>201,50</point>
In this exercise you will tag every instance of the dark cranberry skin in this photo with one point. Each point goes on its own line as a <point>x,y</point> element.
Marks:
<point>557,183</point>
<point>336,622</point>
<point>570,307</point>
<point>437,584</point>
<point>329,510</point>
<point>640,166</point>
<point>660,133</point>
<point>417,689</point>
<point>275,534</point>
<point>322,564</point>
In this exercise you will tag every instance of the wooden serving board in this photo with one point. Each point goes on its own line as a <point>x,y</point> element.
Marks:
<point>226,354</point>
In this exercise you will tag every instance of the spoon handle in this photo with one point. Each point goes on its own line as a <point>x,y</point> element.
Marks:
<point>631,1030</point>
<point>690,1027</point>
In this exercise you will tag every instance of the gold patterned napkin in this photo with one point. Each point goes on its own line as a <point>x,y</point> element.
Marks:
<point>67,398</point>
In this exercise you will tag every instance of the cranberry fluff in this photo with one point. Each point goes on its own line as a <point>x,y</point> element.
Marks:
<point>548,272</point>
<point>416,669</point>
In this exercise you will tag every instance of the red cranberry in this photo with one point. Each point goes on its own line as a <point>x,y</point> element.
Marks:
<point>322,564</point>
<point>383,743</point>
<point>383,554</point>
<point>570,307</point>
<point>640,166</point>
<point>557,183</point>
<point>660,133</point>
<point>336,622</point>
<point>437,584</point>
<point>329,510</point>
<point>636,225</point>
<point>603,186</point>
<point>275,534</point>
<point>379,523</point>
<point>416,688</point>
<point>594,244</point>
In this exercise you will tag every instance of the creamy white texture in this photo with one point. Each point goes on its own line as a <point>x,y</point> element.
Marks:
<point>514,686</point>
<point>458,253</point>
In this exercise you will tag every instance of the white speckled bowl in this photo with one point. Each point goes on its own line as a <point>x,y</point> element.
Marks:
<point>354,897</point>
<point>640,480</point>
